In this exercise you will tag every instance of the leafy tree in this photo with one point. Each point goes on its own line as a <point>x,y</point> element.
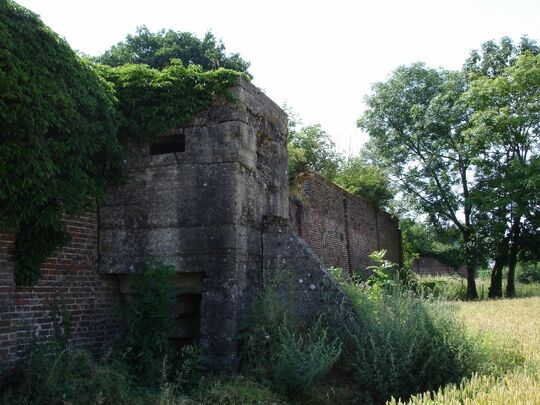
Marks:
<point>366,181</point>
<point>417,122</point>
<point>58,141</point>
<point>313,149</point>
<point>506,131</point>
<point>420,239</point>
<point>464,147</point>
<point>157,49</point>
<point>297,161</point>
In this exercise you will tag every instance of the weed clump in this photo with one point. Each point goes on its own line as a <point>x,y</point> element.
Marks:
<point>290,354</point>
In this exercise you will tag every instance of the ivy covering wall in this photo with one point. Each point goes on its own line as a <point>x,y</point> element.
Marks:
<point>60,121</point>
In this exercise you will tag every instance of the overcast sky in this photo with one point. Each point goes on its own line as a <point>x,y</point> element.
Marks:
<point>320,57</point>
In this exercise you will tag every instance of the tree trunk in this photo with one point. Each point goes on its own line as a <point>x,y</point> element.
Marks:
<point>471,283</point>
<point>470,264</point>
<point>501,258</point>
<point>514,250</point>
<point>510,284</point>
<point>495,289</point>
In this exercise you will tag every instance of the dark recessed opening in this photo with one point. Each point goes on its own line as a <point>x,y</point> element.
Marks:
<point>168,144</point>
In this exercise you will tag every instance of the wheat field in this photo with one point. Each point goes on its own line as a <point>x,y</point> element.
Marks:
<point>513,324</point>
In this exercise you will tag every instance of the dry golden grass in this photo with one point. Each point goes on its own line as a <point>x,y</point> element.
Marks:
<point>513,389</point>
<point>514,323</point>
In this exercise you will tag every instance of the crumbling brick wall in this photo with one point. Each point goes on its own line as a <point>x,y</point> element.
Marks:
<point>340,228</point>
<point>69,285</point>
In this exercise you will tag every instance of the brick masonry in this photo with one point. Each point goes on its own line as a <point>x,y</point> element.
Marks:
<point>340,228</point>
<point>429,266</point>
<point>69,284</point>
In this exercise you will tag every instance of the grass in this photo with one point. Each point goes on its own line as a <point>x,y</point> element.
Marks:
<point>516,323</point>
<point>396,344</point>
<point>455,287</point>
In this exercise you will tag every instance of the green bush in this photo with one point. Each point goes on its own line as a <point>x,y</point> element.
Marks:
<point>303,359</point>
<point>147,321</point>
<point>528,273</point>
<point>399,343</point>
<point>279,348</point>
<point>404,346</point>
<point>237,390</point>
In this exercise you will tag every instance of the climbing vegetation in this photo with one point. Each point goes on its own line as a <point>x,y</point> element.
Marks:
<point>58,142</point>
<point>60,118</point>
<point>152,101</point>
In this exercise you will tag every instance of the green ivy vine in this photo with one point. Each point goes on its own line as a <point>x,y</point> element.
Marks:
<point>60,121</point>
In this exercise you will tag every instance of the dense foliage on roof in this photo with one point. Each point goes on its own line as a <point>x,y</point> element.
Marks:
<point>157,49</point>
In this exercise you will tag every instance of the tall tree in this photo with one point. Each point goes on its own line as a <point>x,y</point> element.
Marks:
<point>506,131</point>
<point>417,121</point>
<point>157,49</point>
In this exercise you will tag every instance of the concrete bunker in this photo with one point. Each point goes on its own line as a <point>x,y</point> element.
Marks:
<point>210,199</point>
<point>195,198</point>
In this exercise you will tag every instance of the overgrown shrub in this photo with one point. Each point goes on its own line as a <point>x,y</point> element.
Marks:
<point>400,344</point>
<point>291,354</point>
<point>403,345</point>
<point>147,320</point>
<point>69,376</point>
<point>303,358</point>
<point>528,272</point>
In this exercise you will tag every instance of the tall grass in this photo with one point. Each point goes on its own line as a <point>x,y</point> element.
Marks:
<point>515,324</point>
<point>401,344</point>
<point>455,287</point>
<point>514,388</point>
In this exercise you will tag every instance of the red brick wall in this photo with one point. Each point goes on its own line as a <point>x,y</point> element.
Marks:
<point>341,228</point>
<point>68,280</point>
<point>431,266</point>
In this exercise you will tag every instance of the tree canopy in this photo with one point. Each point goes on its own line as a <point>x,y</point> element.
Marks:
<point>312,148</point>
<point>365,180</point>
<point>158,49</point>
<point>462,146</point>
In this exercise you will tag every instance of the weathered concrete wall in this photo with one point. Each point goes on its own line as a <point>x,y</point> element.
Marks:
<point>430,266</point>
<point>309,288</point>
<point>341,228</point>
<point>69,285</point>
<point>201,210</point>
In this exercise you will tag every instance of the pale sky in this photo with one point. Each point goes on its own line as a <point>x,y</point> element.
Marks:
<point>320,57</point>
